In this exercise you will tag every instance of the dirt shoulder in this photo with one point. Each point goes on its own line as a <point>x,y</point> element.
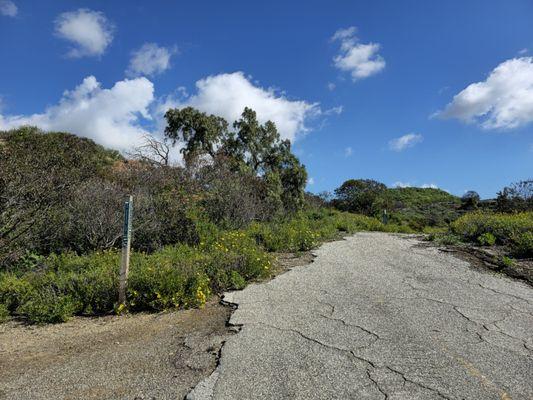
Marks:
<point>137,356</point>
<point>491,258</point>
<point>142,356</point>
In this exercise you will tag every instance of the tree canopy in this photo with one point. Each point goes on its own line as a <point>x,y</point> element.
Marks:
<point>250,146</point>
<point>516,197</point>
<point>359,195</point>
<point>470,200</point>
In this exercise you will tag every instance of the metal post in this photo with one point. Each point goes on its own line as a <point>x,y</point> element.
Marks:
<point>385,217</point>
<point>126,244</point>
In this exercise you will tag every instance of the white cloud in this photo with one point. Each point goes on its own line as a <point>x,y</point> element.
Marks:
<point>332,111</point>
<point>400,184</point>
<point>331,86</point>
<point>359,59</point>
<point>8,8</point>
<point>119,117</point>
<point>150,59</point>
<point>89,31</point>
<point>523,51</point>
<point>405,141</point>
<point>108,116</point>
<point>345,33</point>
<point>503,101</point>
<point>311,181</point>
<point>226,95</point>
<point>348,152</point>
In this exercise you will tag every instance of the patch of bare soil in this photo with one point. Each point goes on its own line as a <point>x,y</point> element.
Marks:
<point>286,261</point>
<point>492,258</point>
<point>137,356</point>
<point>140,356</point>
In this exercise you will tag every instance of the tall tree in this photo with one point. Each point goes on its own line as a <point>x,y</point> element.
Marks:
<point>201,133</point>
<point>516,197</point>
<point>249,147</point>
<point>254,142</point>
<point>470,200</point>
<point>359,195</point>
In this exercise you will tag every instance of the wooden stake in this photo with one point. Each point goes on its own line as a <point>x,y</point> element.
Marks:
<point>126,244</point>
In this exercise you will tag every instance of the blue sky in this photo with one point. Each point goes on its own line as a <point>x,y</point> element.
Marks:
<point>364,89</point>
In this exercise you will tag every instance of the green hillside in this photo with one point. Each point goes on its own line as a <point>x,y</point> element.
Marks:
<point>419,207</point>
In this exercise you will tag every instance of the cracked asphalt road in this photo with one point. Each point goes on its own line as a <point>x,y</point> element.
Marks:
<point>377,316</point>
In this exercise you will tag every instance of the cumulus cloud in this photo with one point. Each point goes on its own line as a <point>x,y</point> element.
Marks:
<point>150,60</point>
<point>89,31</point>
<point>359,59</point>
<point>503,101</point>
<point>8,8</point>
<point>121,116</point>
<point>311,181</point>
<point>405,141</point>
<point>110,117</point>
<point>331,86</point>
<point>226,95</point>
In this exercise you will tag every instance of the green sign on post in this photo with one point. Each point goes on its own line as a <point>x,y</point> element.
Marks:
<point>126,244</point>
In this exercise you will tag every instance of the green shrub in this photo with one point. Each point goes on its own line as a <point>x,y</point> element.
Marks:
<point>178,276</point>
<point>523,244</point>
<point>237,251</point>
<point>448,239</point>
<point>306,230</point>
<point>506,228</point>
<point>92,280</point>
<point>508,261</point>
<point>395,228</point>
<point>294,235</point>
<point>47,306</point>
<point>13,291</point>
<point>165,279</point>
<point>434,230</point>
<point>486,239</point>
<point>4,313</point>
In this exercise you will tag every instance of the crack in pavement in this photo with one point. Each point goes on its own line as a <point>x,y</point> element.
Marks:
<point>401,374</point>
<point>423,386</point>
<point>504,294</point>
<point>370,289</point>
<point>297,332</point>
<point>497,328</point>
<point>374,335</point>
<point>378,386</point>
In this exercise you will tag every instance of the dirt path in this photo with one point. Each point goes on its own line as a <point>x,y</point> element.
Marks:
<point>142,356</point>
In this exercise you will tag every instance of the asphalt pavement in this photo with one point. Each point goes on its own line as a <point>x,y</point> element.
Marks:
<point>378,316</point>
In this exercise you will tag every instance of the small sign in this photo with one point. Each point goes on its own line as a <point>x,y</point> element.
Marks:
<point>126,231</point>
<point>126,244</point>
